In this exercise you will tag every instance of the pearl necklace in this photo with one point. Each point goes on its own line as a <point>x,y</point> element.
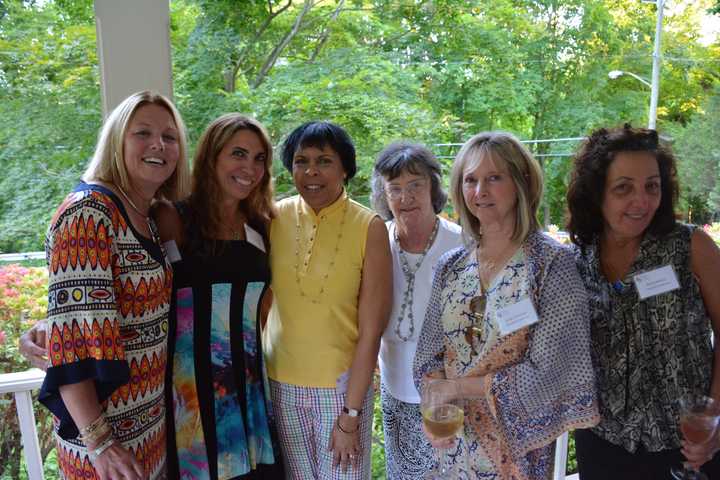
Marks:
<point>315,299</point>
<point>409,293</point>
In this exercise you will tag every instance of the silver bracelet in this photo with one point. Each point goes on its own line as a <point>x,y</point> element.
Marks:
<point>100,449</point>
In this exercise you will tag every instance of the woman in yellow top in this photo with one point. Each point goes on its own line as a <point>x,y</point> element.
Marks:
<point>332,286</point>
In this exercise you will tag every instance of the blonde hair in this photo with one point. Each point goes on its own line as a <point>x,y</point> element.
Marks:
<point>258,207</point>
<point>505,150</point>
<point>108,163</point>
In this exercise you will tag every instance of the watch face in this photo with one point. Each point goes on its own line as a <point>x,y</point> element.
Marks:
<point>351,412</point>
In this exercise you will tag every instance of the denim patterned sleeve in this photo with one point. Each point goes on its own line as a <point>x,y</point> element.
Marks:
<point>553,390</point>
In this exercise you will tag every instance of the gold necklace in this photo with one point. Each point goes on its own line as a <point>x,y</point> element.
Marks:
<point>132,204</point>
<point>332,262</point>
<point>154,235</point>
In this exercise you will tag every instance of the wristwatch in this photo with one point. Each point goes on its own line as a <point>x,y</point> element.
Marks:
<point>351,412</point>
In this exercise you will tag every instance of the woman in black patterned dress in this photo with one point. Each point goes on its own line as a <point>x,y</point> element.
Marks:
<point>649,350</point>
<point>220,422</point>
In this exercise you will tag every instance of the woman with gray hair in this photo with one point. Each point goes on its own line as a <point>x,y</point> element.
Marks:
<point>408,194</point>
<point>507,323</point>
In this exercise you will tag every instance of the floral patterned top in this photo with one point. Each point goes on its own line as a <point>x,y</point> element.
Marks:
<point>648,353</point>
<point>539,378</point>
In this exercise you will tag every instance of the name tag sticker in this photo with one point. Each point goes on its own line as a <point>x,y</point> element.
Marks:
<point>516,316</point>
<point>656,281</point>
<point>341,383</point>
<point>172,252</point>
<point>254,238</point>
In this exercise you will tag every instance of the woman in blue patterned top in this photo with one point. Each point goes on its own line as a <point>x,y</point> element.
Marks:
<point>507,319</point>
<point>651,340</point>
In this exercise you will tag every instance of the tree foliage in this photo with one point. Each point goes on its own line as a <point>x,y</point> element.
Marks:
<point>431,71</point>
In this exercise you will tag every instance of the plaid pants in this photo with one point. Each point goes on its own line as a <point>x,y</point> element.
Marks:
<point>305,419</point>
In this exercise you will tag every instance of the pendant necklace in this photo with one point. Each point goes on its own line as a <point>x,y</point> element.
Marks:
<point>150,224</point>
<point>409,273</point>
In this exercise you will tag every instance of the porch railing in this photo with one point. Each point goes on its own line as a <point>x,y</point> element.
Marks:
<point>22,384</point>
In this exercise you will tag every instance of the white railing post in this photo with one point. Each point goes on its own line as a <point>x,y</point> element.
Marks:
<point>22,384</point>
<point>28,431</point>
<point>561,446</point>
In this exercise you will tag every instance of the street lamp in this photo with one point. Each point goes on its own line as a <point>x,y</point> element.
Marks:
<point>618,73</point>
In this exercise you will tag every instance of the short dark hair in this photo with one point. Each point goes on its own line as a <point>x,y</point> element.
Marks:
<point>587,182</point>
<point>406,157</point>
<point>320,134</point>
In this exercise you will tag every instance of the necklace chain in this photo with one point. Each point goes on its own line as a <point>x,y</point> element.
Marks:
<point>409,293</point>
<point>150,224</point>
<point>315,299</point>
<point>132,204</point>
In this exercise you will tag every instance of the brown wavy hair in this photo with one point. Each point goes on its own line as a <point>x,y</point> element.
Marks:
<point>587,182</point>
<point>204,201</point>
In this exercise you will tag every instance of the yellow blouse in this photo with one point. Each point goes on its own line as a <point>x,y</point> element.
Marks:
<point>316,262</point>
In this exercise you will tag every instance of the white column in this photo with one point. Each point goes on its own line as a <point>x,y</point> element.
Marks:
<point>133,41</point>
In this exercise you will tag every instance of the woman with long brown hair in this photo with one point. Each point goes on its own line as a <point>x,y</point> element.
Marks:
<point>217,241</point>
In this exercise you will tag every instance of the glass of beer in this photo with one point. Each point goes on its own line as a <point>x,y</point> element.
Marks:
<point>698,423</point>
<point>442,412</point>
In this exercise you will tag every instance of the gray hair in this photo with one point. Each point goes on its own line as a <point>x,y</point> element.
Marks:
<point>406,157</point>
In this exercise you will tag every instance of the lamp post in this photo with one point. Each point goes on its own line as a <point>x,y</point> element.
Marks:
<point>655,84</point>
<point>655,88</point>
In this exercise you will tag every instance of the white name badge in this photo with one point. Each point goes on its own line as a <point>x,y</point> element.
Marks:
<point>172,252</point>
<point>254,238</point>
<point>516,316</point>
<point>656,281</point>
<point>341,383</point>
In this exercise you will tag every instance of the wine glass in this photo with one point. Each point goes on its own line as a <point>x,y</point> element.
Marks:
<point>698,421</point>
<point>443,416</point>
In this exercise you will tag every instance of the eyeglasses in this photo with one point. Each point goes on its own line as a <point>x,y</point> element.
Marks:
<point>411,190</point>
<point>477,313</point>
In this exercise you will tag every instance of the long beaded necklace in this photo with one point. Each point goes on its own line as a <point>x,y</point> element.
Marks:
<point>330,266</point>
<point>409,293</point>
<point>150,224</point>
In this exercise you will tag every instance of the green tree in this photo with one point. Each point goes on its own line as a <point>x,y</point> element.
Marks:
<point>697,147</point>
<point>50,106</point>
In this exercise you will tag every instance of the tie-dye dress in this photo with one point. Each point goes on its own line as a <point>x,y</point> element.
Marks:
<point>220,423</point>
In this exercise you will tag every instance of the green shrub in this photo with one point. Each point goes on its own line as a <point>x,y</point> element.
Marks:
<point>23,301</point>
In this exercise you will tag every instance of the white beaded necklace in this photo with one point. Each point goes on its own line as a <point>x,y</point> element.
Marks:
<point>315,299</point>
<point>409,293</point>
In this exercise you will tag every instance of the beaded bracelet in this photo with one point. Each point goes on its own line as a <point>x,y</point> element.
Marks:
<point>107,443</point>
<point>337,424</point>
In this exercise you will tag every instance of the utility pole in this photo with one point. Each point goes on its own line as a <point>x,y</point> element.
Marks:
<point>655,86</point>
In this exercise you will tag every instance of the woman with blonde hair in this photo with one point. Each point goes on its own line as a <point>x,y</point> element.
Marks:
<point>507,321</point>
<point>109,298</point>
<point>217,240</point>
